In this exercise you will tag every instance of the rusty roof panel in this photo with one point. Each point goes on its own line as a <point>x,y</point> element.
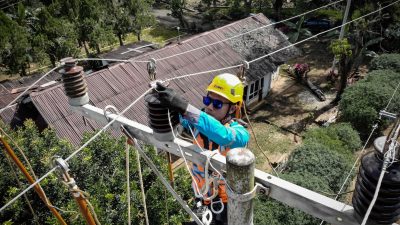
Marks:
<point>121,84</point>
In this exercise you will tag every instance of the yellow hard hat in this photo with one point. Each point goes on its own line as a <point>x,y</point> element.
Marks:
<point>228,86</point>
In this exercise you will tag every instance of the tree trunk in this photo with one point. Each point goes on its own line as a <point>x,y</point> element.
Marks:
<point>278,7</point>
<point>23,70</point>
<point>344,69</point>
<point>86,49</point>
<point>121,43</point>
<point>98,49</point>
<point>139,35</point>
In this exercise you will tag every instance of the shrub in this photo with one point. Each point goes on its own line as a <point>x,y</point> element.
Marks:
<point>99,170</point>
<point>320,161</point>
<point>386,61</point>
<point>361,103</point>
<point>340,137</point>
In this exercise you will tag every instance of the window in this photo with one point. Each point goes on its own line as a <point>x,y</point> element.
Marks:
<point>254,89</point>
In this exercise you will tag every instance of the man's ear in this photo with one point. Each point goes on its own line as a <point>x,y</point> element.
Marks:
<point>232,109</point>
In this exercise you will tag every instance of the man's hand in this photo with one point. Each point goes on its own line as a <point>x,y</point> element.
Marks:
<point>171,99</point>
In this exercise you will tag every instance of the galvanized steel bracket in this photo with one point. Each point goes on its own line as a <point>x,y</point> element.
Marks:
<point>258,188</point>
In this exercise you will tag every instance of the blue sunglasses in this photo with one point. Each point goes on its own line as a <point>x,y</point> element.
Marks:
<point>217,104</point>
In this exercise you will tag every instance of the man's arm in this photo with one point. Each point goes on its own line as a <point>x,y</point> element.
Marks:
<point>233,136</point>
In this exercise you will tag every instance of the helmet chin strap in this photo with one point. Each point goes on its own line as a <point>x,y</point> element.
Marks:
<point>236,114</point>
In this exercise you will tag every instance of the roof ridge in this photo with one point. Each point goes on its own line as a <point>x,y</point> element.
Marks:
<point>196,36</point>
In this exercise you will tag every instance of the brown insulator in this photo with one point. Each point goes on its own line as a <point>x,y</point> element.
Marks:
<point>74,83</point>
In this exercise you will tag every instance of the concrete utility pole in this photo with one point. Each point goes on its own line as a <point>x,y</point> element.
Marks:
<point>240,177</point>
<point>342,29</point>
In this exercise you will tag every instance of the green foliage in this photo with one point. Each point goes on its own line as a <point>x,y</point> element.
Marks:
<point>361,103</point>
<point>320,164</point>
<point>143,16</point>
<point>331,14</point>
<point>296,30</point>
<point>99,170</point>
<point>386,61</point>
<point>55,37</point>
<point>341,48</point>
<point>341,137</point>
<point>14,45</point>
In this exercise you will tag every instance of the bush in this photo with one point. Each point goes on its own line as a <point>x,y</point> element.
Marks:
<point>99,170</point>
<point>340,137</point>
<point>320,161</point>
<point>361,103</point>
<point>386,61</point>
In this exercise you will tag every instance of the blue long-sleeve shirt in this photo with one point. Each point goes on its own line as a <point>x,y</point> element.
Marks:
<point>232,136</point>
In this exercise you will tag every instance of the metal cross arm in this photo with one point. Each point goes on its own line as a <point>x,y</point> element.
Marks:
<point>313,203</point>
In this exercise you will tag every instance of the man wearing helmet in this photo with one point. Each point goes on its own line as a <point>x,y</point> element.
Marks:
<point>215,129</point>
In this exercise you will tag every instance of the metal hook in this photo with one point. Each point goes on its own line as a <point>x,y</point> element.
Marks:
<point>151,69</point>
<point>107,112</point>
<point>217,211</point>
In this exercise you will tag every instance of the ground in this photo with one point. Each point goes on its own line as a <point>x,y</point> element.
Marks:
<point>290,108</point>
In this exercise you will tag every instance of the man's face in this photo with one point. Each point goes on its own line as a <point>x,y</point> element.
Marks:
<point>218,114</point>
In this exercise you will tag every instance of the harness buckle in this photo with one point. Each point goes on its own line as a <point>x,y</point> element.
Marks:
<point>216,202</point>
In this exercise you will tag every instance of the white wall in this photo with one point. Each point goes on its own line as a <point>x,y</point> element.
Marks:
<point>268,83</point>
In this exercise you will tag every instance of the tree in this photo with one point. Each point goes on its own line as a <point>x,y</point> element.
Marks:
<point>122,24</point>
<point>177,7</point>
<point>386,61</point>
<point>14,46</point>
<point>277,8</point>
<point>99,170</point>
<point>143,17</point>
<point>55,36</point>
<point>319,165</point>
<point>361,103</point>
<point>342,51</point>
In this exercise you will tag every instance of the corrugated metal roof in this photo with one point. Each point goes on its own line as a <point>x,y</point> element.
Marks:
<point>129,51</point>
<point>11,89</point>
<point>121,84</point>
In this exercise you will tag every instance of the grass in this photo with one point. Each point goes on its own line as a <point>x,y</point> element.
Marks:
<point>275,144</point>
<point>157,34</point>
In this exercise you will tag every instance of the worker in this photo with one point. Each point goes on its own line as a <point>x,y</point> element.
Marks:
<point>217,128</point>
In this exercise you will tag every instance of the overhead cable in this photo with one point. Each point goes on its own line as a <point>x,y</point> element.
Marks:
<point>211,44</point>
<point>374,127</point>
<point>27,89</point>
<point>250,31</point>
<point>77,151</point>
<point>179,77</point>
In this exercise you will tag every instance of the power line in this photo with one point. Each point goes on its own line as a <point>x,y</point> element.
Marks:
<point>77,151</point>
<point>26,90</point>
<point>374,127</point>
<point>169,79</point>
<point>241,34</point>
<point>258,145</point>
<point>204,46</point>
<point>11,5</point>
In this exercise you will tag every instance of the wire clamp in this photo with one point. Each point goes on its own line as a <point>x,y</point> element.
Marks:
<point>61,165</point>
<point>258,188</point>
<point>107,111</point>
<point>242,71</point>
<point>151,69</point>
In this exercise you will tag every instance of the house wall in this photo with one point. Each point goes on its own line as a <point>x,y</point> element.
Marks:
<point>268,82</point>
